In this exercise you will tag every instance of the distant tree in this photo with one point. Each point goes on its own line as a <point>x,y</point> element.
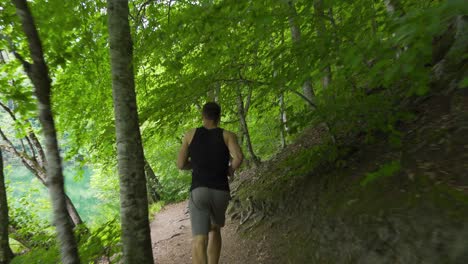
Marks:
<point>136,237</point>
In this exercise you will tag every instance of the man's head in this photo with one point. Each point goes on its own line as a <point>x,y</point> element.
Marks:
<point>212,111</point>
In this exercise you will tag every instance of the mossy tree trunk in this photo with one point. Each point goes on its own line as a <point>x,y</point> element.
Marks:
<point>136,239</point>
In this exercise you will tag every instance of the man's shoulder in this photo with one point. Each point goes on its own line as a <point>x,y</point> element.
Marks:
<point>188,136</point>
<point>229,134</point>
<point>190,132</point>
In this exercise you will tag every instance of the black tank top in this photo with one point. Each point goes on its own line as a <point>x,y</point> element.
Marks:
<point>209,157</point>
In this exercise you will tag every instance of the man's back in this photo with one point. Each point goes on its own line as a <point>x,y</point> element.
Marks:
<point>209,156</point>
<point>213,154</point>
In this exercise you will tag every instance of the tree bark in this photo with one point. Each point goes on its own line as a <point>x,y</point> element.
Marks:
<point>245,128</point>
<point>72,212</point>
<point>217,92</point>
<point>136,239</point>
<point>213,94</point>
<point>394,6</point>
<point>152,183</point>
<point>283,120</point>
<point>321,30</point>
<point>38,73</point>
<point>307,88</point>
<point>5,251</point>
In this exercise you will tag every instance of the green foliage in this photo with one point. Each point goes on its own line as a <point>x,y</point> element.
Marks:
<point>27,217</point>
<point>102,242</point>
<point>16,246</point>
<point>99,243</point>
<point>386,170</point>
<point>155,208</point>
<point>39,256</point>
<point>183,51</point>
<point>464,83</point>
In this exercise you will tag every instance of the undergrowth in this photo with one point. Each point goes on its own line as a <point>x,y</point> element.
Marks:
<point>100,243</point>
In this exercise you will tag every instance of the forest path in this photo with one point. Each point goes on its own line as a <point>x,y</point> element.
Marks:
<point>171,237</point>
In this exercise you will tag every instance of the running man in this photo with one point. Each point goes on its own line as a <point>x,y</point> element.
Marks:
<point>212,154</point>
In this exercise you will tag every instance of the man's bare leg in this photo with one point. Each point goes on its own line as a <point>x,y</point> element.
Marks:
<point>199,244</point>
<point>214,245</point>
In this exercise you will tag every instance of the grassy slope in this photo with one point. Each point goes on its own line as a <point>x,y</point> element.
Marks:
<point>311,199</point>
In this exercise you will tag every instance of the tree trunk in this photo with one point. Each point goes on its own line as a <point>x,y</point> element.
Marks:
<point>394,6</point>
<point>309,92</point>
<point>292,19</point>
<point>245,128</point>
<point>73,215</point>
<point>38,73</point>
<point>296,38</point>
<point>41,175</point>
<point>72,212</point>
<point>213,94</point>
<point>217,92</point>
<point>321,30</point>
<point>36,163</point>
<point>152,183</point>
<point>5,252</point>
<point>283,120</point>
<point>136,239</point>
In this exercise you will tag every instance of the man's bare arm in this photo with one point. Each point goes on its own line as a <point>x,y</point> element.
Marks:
<point>183,162</point>
<point>234,150</point>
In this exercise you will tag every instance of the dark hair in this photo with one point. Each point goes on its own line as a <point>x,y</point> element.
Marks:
<point>212,111</point>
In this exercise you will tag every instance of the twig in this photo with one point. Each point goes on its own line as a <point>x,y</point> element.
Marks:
<point>312,104</point>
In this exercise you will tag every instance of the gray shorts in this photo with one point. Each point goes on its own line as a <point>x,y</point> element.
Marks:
<point>207,207</point>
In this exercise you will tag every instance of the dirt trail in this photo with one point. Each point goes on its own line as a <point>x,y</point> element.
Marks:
<point>171,236</point>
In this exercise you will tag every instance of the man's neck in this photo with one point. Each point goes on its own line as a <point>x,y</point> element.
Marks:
<point>210,125</point>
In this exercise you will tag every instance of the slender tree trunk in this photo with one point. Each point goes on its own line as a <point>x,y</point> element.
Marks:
<point>72,212</point>
<point>321,32</point>
<point>73,215</point>
<point>307,88</point>
<point>292,19</point>
<point>283,120</point>
<point>38,73</point>
<point>217,92</point>
<point>136,237</point>
<point>309,92</point>
<point>5,251</point>
<point>213,94</point>
<point>394,6</point>
<point>152,183</point>
<point>245,128</point>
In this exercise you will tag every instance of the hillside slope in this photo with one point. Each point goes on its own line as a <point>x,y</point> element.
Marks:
<point>369,198</point>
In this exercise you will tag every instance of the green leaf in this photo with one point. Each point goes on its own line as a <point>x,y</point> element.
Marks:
<point>464,83</point>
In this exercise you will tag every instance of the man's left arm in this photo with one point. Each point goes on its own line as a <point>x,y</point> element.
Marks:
<point>183,162</point>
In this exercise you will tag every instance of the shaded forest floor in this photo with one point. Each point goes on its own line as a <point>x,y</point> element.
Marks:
<point>171,237</point>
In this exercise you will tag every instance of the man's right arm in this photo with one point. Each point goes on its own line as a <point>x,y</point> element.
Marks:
<point>183,162</point>
<point>234,150</point>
